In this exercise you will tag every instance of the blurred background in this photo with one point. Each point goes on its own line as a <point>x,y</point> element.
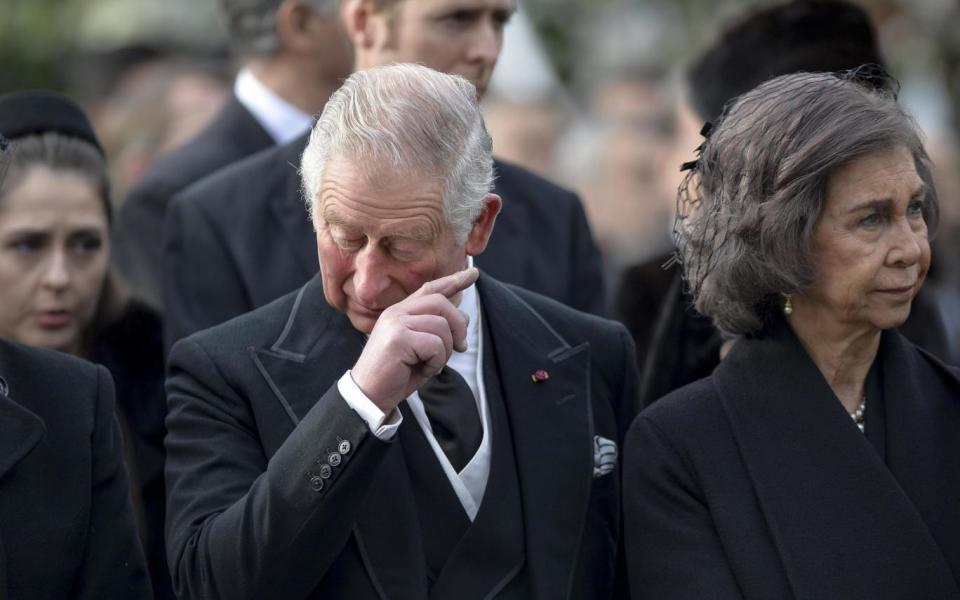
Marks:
<point>587,92</point>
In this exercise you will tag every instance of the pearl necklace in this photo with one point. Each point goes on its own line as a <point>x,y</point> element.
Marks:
<point>859,414</point>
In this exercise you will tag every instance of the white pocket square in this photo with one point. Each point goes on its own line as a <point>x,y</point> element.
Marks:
<point>604,456</point>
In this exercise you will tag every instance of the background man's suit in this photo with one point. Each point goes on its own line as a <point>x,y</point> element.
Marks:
<point>138,234</point>
<point>66,526</point>
<point>241,238</point>
<point>256,418</point>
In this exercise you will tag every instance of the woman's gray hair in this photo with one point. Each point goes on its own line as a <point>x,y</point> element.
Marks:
<point>252,24</point>
<point>416,122</point>
<point>747,209</point>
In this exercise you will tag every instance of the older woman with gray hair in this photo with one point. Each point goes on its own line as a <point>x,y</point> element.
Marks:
<point>821,459</point>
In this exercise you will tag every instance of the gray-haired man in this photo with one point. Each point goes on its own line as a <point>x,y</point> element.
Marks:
<point>399,427</point>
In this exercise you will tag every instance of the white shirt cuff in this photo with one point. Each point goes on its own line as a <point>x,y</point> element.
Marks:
<point>381,425</point>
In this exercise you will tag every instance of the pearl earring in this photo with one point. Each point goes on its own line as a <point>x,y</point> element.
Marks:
<point>788,304</point>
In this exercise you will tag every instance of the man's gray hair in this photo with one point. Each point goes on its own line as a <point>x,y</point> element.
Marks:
<point>747,211</point>
<point>416,122</point>
<point>252,24</point>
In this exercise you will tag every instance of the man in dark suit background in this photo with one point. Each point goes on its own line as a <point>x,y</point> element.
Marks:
<point>293,54</point>
<point>238,239</point>
<point>398,427</point>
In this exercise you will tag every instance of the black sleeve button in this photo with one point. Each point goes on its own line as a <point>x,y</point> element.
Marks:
<point>316,483</point>
<point>325,471</point>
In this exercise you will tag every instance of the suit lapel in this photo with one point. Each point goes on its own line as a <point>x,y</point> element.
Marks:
<point>551,423</point>
<point>317,345</point>
<point>287,205</point>
<point>842,524</point>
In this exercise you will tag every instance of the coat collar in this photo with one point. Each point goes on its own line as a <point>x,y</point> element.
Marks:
<point>831,504</point>
<point>550,421</point>
<point>22,429</point>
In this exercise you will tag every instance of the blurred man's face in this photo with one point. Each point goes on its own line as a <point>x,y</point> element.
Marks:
<point>462,37</point>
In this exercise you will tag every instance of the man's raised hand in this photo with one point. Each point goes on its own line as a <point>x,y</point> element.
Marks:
<point>413,339</point>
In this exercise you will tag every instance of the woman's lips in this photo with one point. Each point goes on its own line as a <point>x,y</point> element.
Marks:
<point>899,293</point>
<point>54,319</point>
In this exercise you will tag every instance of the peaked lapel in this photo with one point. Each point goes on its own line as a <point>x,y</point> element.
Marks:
<point>504,257</point>
<point>316,347</point>
<point>842,524</point>
<point>551,423</point>
<point>287,204</point>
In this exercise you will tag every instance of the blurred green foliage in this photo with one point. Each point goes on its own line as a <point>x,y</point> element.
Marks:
<point>32,47</point>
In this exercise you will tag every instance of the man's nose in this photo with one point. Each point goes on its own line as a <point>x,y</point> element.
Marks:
<point>485,45</point>
<point>370,276</point>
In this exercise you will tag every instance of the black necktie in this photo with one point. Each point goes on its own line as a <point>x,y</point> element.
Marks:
<point>452,411</point>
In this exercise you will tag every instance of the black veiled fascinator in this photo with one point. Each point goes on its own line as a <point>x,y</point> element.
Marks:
<point>719,192</point>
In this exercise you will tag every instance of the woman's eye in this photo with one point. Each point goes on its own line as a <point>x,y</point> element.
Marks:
<point>86,244</point>
<point>915,208</point>
<point>27,245</point>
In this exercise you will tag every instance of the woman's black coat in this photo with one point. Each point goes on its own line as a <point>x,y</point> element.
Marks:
<point>755,482</point>
<point>66,527</point>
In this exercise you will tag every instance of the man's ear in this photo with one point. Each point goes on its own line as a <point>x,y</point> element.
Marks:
<point>483,225</point>
<point>358,19</point>
<point>294,22</point>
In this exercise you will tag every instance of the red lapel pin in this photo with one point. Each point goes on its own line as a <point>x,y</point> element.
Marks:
<point>539,375</point>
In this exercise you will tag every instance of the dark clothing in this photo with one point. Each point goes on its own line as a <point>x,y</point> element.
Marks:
<point>66,526</point>
<point>676,345</point>
<point>242,238</point>
<point>255,414</point>
<point>132,350</point>
<point>138,233</point>
<point>756,483</point>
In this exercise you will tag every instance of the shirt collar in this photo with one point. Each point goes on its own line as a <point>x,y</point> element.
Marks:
<point>282,120</point>
<point>469,304</point>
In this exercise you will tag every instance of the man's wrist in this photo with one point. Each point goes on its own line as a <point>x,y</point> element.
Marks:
<point>383,425</point>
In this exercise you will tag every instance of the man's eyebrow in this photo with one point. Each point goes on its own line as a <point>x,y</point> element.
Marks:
<point>331,217</point>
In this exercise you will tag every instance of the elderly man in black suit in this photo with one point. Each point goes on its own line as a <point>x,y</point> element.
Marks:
<point>293,54</point>
<point>399,427</point>
<point>238,239</point>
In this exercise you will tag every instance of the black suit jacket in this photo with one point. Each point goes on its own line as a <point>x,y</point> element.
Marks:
<point>756,483</point>
<point>254,411</point>
<point>138,233</point>
<point>66,526</point>
<point>241,238</point>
